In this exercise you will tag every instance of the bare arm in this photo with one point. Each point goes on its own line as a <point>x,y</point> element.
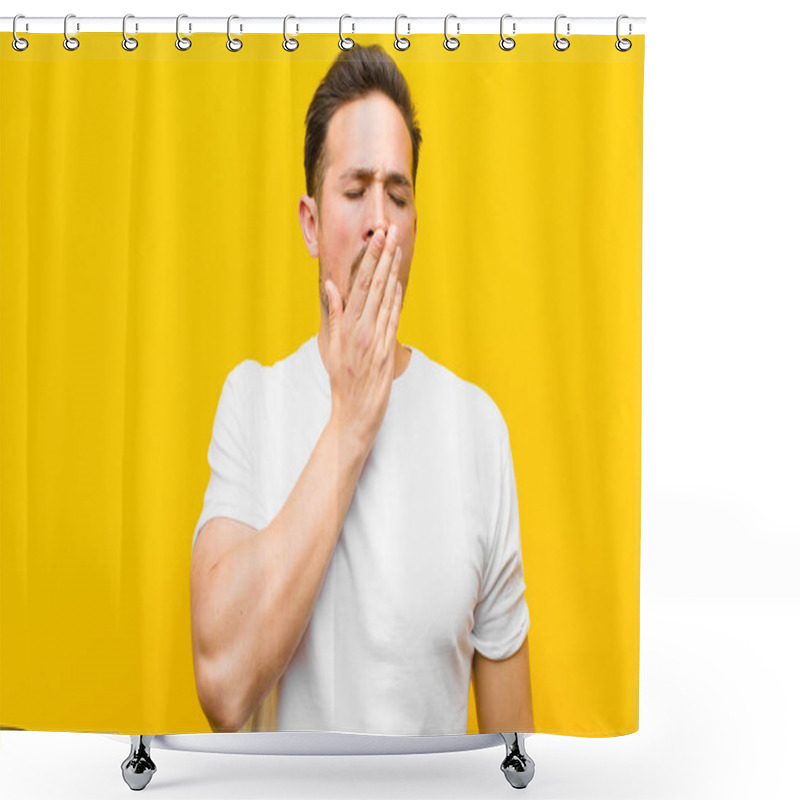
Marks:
<point>503,693</point>
<point>253,592</point>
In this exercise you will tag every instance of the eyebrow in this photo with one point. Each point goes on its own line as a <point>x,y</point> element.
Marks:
<point>364,173</point>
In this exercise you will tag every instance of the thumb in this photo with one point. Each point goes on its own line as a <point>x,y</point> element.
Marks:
<point>334,306</point>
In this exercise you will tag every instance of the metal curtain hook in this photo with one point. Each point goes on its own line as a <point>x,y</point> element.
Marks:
<point>451,42</point>
<point>19,44</point>
<point>128,42</point>
<point>290,44</point>
<point>182,43</point>
<point>400,42</point>
<point>70,42</point>
<point>561,43</point>
<point>506,42</point>
<point>623,45</point>
<point>345,42</point>
<point>233,44</point>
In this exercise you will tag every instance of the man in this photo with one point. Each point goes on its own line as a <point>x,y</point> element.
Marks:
<point>358,553</point>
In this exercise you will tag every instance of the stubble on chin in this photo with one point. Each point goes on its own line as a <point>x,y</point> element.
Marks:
<point>355,264</point>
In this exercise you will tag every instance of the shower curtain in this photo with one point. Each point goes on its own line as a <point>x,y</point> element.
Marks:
<point>153,258</point>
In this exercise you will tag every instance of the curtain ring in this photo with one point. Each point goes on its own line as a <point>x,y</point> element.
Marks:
<point>506,42</point>
<point>70,42</point>
<point>623,48</point>
<point>290,44</point>
<point>128,42</point>
<point>400,42</point>
<point>233,44</point>
<point>345,42</point>
<point>561,43</point>
<point>182,42</point>
<point>451,42</point>
<point>19,44</point>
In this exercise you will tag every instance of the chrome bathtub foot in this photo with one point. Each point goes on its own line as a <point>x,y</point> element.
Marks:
<point>138,768</point>
<point>517,766</point>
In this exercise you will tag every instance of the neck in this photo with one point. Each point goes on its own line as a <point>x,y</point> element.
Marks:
<point>402,355</point>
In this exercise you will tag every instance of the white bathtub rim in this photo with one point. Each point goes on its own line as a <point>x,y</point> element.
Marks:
<point>319,743</point>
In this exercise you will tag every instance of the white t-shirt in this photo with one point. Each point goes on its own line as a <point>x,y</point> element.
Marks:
<point>427,567</point>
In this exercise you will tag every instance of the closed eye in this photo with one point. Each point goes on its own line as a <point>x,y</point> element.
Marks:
<point>354,195</point>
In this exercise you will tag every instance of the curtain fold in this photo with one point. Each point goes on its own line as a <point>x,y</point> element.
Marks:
<point>150,243</point>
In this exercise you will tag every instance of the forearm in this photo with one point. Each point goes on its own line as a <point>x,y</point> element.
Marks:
<point>503,693</point>
<point>262,593</point>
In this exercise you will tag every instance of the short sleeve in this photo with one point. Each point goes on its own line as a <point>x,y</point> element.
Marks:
<point>231,486</point>
<point>501,618</point>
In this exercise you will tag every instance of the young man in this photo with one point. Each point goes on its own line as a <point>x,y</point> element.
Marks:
<point>358,553</point>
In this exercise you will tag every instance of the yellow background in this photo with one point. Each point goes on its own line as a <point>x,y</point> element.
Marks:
<point>150,242</point>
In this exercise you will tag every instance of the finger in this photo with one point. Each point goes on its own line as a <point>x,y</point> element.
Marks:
<point>380,277</point>
<point>358,296</point>
<point>334,307</point>
<point>391,330</point>
<point>388,296</point>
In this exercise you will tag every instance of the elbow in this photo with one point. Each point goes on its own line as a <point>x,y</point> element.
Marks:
<point>224,727</point>
<point>217,700</point>
<point>224,724</point>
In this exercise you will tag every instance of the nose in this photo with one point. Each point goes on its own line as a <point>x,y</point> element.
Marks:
<point>377,217</point>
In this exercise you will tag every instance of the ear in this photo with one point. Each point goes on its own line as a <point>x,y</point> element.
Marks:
<point>309,222</point>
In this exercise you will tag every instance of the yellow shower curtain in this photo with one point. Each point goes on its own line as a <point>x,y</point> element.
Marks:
<point>150,242</point>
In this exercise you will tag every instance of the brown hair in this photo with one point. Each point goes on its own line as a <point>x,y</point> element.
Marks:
<point>354,74</point>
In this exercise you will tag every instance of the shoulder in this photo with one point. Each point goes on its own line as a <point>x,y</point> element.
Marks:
<point>252,382</point>
<point>246,378</point>
<point>471,404</point>
<point>241,392</point>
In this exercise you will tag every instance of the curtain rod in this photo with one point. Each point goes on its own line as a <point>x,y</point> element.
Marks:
<point>350,25</point>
